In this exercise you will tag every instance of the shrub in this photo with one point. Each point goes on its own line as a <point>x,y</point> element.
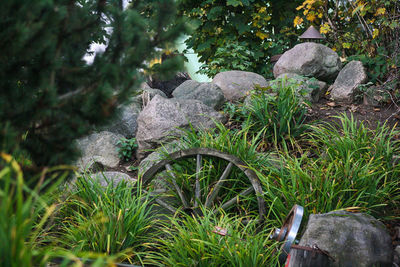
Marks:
<point>115,220</point>
<point>278,112</point>
<point>255,30</point>
<point>232,56</point>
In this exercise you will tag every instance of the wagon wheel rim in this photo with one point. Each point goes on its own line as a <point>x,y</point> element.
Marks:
<point>288,232</point>
<point>199,153</point>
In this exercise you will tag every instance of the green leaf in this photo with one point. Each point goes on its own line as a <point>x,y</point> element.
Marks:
<point>215,12</point>
<point>234,3</point>
<point>240,25</point>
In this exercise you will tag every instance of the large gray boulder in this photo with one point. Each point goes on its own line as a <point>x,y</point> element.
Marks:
<point>208,93</point>
<point>352,239</point>
<point>236,84</point>
<point>126,121</point>
<point>311,60</point>
<point>309,89</point>
<point>163,117</point>
<point>99,149</point>
<point>350,77</point>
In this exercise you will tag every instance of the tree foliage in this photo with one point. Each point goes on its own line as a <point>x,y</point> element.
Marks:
<point>49,95</point>
<point>262,27</point>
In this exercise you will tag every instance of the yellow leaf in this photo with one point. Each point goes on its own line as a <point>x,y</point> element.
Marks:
<point>297,21</point>
<point>380,11</point>
<point>261,35</point>
<point>305,12</point>
<point>325,28</point>
<point>300,7</point>
<point>154,61</point>
<point>375,33</point>
<point>320,15</point>
<point>311,17</point>
<point>353,209</point>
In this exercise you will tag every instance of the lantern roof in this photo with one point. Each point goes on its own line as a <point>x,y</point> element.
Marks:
<point>311,33</point>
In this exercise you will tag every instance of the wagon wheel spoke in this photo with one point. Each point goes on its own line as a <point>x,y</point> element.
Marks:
<point>197,183</point>
<point>211,197</point>
<point>163,204</point>
<point>233,200</point>
<point>178,190</point>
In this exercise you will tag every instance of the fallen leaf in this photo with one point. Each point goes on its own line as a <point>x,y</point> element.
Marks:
<point>220,231</point>
<point>353,108</point>
<point>331,104</point>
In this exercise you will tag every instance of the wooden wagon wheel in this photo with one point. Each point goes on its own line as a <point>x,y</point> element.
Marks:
<point>226,187</point>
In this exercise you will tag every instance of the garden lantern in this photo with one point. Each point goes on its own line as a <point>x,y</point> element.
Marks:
<point>311,35</point>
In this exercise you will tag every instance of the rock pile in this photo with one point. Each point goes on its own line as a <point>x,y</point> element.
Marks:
<point>152,118</point>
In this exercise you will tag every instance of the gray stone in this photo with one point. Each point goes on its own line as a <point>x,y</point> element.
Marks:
<point>236,84</point>
<point>113,177</point>
<point>352,239</point>
<point>165,117</point>
<point>149,93</point>
<point>99,149</point>
<point>311,60</point>
<point>125,123</point>
<point>350,77</point>
<point>309,89</point>
<point>208,93</point>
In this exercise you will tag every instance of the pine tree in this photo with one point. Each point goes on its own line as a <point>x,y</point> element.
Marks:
<point>49,95</point>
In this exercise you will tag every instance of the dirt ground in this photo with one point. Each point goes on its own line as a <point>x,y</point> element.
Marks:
<point>325,110</point>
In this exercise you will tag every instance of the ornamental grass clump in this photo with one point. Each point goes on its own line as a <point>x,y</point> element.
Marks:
<point>348,167</point>
<point>114,220</point>
<point>276,114</point>
<point>193,241</point>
